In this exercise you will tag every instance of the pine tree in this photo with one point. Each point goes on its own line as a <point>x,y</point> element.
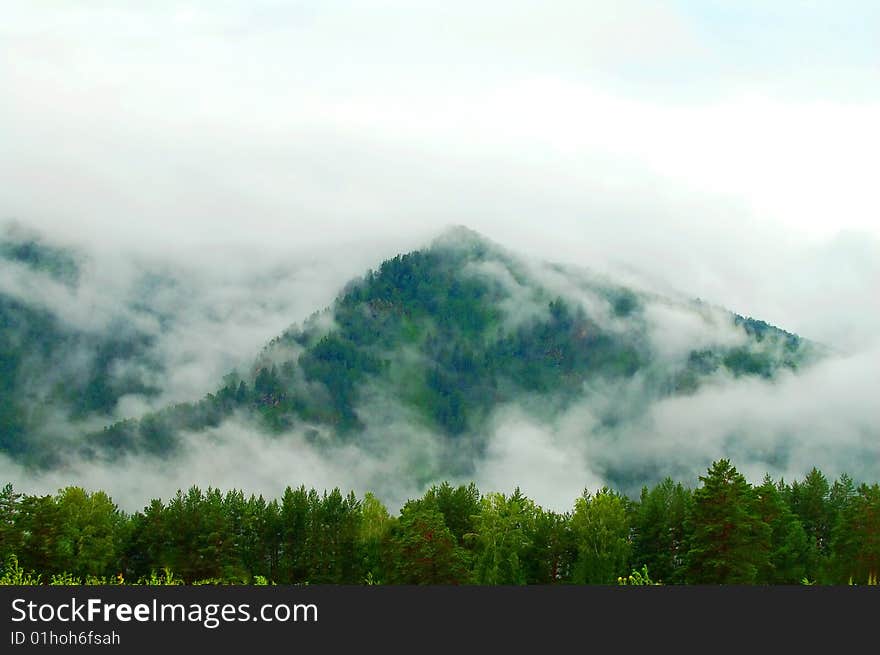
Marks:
<point>422,550</point>
<point>729,542</point>
<point>855,548</point>
<point>659,523</point>
<point>791,553</point>
<point>810,501</point>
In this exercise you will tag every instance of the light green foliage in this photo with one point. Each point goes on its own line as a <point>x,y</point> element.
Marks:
<point>164,579</point>
<point>503,534</point>
<point>638,578</point>
<point>10,533</point>
<point>13,574</point>
<point>91,529</point>
<point>601,529</point>
<point>375,525</point>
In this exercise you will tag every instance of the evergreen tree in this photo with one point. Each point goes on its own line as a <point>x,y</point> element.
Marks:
<point>422,550</point>
<point>791,553</point>
<point>550,556</point>
<point>659,530</point>
<point>295,518</point>
<point>855,546</point>
<point>810,501</point>
<point>729,543</point>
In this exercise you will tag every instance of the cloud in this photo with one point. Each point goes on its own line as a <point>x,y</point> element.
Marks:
<point>253,157</point>
<point>619,434</point>
<point>395,460</point>
<point>549,463</point>
<point>676,330</point>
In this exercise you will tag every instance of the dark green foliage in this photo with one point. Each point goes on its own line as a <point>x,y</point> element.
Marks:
<point>791,556</point>
<point>810,501</point>
<point>855,545</point>
<point>729,543</point>
<point>421,549</point>
<point>743,361</point>
<point>724,532</point>
<point>761,330</point>
<point>768,350</point>
<point>339,365</point>
<point>59,264</point>
<point>558,355</point>
<point>660,536</point>
<point>157,433</point>
<point>550,555</point>
<point>458,505</point>
<point>623,301</point>
<point>36,372</point>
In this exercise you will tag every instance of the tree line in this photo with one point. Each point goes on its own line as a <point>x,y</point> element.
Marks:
<point>724,531</point>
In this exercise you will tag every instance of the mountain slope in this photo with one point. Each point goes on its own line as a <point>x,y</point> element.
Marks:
<point>51,371</point>
<point>450,333</point>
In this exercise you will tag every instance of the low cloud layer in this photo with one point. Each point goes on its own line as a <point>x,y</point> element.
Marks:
<point>825,417</point>
<point>618,434</point>
<point>236,163</point>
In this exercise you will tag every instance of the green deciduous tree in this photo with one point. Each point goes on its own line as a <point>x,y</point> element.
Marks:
<point>375,525</point>
<point>10,532</point>
<point>89,541</point>
<point>504,530</point>
<point>601,529</point>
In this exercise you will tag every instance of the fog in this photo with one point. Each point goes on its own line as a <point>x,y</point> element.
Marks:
<point>252,157</point>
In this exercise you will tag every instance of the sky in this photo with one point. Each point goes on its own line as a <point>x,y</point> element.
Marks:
<point>712,145</point>
<point>721,149</point>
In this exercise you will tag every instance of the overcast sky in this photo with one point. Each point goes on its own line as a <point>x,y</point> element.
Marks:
<point>725,148</point>
<point>269,151</point>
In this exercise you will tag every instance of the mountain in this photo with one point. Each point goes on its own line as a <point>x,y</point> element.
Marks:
<point>52,371</point>
<point>440,338</point>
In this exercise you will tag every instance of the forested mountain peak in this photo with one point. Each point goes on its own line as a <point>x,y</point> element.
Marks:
<point>440,338</point>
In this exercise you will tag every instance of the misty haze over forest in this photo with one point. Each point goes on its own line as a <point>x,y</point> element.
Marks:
<point>193,182</point>
<point>662,413</point>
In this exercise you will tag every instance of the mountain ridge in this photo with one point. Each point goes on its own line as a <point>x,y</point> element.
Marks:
<point>452,332</point>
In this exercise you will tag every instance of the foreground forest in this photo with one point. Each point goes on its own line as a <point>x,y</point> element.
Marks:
<point>726,531</point>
